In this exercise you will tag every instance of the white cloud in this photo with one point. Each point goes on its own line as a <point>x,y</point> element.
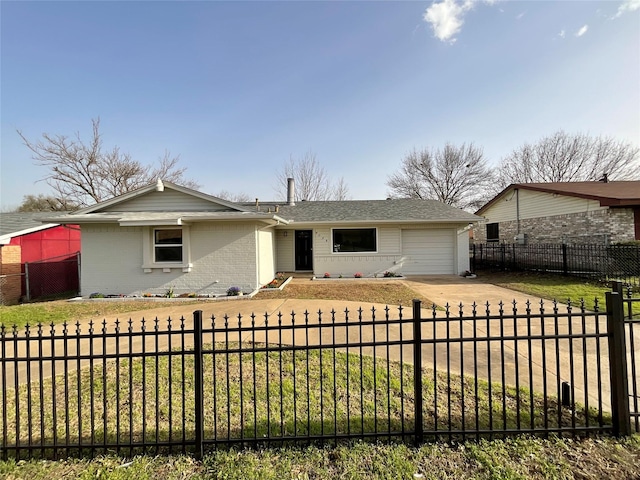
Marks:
<point>627,6</point>
<point>582,31</point>
<point>446,17</point>
<point>518,17</point>
<point>562,34</point>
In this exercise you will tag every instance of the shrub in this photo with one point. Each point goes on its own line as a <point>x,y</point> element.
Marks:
<point>390,274</point>
<point>233,291</point>
<point>187,295</point>
<point>96,295</point>
<point>357,275</point>
<point>327,275</point>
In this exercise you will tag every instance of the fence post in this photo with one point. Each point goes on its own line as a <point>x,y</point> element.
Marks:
<point>26,281</point>
<point>473,258</point>
<point>417,370</point>
<point>198,383</point>
<point>565,262</point>
<point>621,415</point>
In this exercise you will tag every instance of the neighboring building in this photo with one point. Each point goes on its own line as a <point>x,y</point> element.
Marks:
<point>563,212</point>
<point>165,236</point>
<point>24,239</point>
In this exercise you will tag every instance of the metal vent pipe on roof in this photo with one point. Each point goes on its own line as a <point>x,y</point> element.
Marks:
<point>290,192</point>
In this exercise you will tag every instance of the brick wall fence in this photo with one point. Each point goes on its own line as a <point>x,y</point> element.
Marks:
<point>10,274</point>
<point>598,227</point>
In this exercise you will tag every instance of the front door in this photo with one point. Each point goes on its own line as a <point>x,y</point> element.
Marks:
<point>304,250</point>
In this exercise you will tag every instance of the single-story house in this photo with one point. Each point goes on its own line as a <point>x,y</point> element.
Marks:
<point>24,239</point>
<point>600,212</point>
<point>167,237</point>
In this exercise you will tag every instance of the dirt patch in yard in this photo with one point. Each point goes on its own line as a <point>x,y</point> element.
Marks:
<point>391,293</point>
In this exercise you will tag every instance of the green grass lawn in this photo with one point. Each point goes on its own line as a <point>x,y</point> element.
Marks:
<point>554,287</point>
<point>517,458</point>
<point>59,311</point>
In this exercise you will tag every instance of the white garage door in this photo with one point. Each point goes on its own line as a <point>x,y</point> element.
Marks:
<point>427,251</point>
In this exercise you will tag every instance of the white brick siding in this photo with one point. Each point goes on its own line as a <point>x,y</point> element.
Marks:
<point>222,254</point>
<point>389,252</point>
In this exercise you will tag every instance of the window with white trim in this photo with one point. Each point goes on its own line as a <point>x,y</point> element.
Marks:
<point>353,240</point>
<point>167,245</point>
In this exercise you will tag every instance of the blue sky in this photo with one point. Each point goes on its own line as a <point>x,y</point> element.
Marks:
<point>236,88</point>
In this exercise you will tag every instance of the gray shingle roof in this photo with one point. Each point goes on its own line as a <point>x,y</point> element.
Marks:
<point>394,210</point>
<point>16,222</point>
<point>354,211</point>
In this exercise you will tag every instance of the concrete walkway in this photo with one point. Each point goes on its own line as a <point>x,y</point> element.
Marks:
<point>528,363</point>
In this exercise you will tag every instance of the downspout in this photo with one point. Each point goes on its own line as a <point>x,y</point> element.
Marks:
<point>518,210</point>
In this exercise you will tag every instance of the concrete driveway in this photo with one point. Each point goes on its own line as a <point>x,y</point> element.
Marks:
<point>525,362</point>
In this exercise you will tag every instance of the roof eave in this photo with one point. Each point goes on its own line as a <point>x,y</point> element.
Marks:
<point>627,202</point>
<point>6,239</point>
<point>385,222</point>
<point>174,220</point>
<point>266,217</point>
<point>78,221</point>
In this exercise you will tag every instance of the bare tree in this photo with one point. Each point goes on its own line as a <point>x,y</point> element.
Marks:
<point>341,190</point>
<point>457,176</point>
<point>312,182</point>
<point>45,203</point>
<point>85,173</point>
<point>233,197</point>
<point>562,157</point>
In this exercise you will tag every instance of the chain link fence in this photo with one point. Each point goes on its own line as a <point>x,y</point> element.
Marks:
<point>52,277</point>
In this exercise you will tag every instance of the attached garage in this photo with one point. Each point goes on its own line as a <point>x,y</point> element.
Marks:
<point>428,251</point>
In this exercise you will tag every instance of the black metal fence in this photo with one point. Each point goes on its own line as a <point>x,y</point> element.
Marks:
<point>631,317</point>
<point>612,262</point>
<point>196,384</point>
